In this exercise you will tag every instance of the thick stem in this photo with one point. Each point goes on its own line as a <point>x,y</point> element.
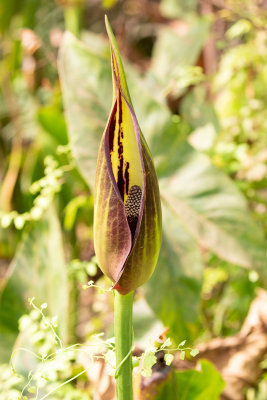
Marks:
<point>123,327</point>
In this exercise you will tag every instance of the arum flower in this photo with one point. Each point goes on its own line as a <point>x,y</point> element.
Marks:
<point>127,216</point>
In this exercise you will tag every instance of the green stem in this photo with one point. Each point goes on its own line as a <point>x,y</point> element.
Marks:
<point>72,16</point>
<point>123,327</point>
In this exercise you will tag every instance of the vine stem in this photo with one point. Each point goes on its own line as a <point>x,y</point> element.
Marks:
<point>123,328</point>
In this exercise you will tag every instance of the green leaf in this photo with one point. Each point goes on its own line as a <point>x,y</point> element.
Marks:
<point>52,121</point>
<point>32,389</point>
<point>198,111</point>
<point>211,208</point>
<point>87,94</point>
<point>240,28</point>
<point>173,292</point>
<point>148,361</point>
<point>168,358</point>
<point>146,324</point>
<point>189,38</point>
<point>73,207</point>
<point>178,8</point>
<point>194,352</point>
<point>167,343</point>
<point>194,385</point>
<point>37,270</point>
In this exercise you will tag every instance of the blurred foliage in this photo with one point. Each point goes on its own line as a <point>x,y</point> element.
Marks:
<point>194,385</point>
<point>197,77</point>
<point>38,269</point>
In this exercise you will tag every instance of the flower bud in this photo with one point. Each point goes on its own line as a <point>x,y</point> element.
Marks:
<point>127,212</point>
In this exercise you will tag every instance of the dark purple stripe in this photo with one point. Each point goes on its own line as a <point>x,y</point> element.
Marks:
<point>120,181</point>
<point>120,116</point>
<point>108,158</point>
<point>112,128</point>
<point>127,177</point>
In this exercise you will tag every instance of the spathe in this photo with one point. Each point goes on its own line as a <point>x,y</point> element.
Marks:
<point>127,216</point>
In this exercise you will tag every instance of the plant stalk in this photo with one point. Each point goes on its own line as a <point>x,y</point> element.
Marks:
<point>72,16</point>
<point>123,327</point>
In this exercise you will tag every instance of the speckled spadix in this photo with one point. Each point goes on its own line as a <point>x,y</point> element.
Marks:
<point>127,217</point>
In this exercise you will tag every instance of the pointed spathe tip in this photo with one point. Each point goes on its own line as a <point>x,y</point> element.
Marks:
<point>108,27</point>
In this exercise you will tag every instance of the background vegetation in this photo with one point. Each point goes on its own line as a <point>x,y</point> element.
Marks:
<point>197,73</point>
